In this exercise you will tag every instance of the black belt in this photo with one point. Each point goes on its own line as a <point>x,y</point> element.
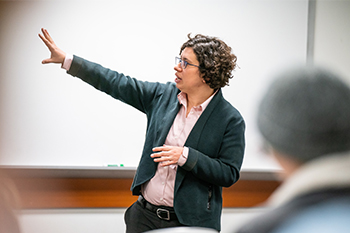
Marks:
<point>162,212</point>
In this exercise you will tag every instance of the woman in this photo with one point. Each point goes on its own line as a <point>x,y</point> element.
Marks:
<point>194,141</point>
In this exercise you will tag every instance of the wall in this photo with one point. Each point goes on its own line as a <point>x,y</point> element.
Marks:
<point>51,118</point>
<point>331,48</point>
<point>332,30</point>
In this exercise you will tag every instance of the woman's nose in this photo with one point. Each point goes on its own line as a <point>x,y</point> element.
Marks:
<point>178,67</point>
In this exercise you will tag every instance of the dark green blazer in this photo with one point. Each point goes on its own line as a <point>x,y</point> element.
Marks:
<point>216,142</point>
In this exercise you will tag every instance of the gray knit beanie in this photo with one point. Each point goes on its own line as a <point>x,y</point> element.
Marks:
<point>305,114</point>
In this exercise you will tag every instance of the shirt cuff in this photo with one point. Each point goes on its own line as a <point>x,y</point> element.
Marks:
<point>183,157</point>
<point>67,61</point>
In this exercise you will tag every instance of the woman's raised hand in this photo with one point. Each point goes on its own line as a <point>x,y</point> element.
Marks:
<point>57,55</point>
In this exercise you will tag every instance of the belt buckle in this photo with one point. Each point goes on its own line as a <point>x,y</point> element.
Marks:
<point>160,210</point>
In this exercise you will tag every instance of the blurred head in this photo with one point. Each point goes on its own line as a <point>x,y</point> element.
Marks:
<point>305,114</point>
<point>216,62</point>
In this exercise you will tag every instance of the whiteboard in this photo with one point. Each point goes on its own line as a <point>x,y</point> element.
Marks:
<point>50,118</point>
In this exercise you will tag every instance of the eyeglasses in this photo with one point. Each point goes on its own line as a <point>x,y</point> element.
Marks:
<point>183,63</point>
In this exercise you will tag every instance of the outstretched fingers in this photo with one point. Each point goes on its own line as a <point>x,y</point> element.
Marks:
<point>47,35</point>
<point>57,55</point>
<point>46,38</point>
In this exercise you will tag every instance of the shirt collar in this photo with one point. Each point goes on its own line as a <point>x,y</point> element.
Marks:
<point>182,97</point>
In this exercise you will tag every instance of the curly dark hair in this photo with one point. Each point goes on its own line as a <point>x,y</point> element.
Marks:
<point>216,62</point>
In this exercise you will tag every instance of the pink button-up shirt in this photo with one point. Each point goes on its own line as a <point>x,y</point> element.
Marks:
<point>160,189</point>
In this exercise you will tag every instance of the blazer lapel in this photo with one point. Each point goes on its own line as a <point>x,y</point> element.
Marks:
<point>167,122</point>
<point>193,138</point>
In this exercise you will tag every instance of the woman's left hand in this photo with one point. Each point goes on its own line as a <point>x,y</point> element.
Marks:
<point>167,155</point>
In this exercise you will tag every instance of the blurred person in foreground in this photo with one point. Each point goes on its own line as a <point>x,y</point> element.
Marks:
<point>304,117</point>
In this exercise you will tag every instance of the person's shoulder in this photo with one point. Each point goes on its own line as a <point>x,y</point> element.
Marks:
<point>171,85</point>
<point>228,108</point>
<point>168,87</point>
<point>162,87</point>
<point>330,216</point>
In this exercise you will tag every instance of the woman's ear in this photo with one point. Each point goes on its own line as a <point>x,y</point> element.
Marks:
<point>203,78</point>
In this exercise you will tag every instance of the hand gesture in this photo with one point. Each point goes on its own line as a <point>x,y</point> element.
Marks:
<point>167,155</point>
<point>57,55</point>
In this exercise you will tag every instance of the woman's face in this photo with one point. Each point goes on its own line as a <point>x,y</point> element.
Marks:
<point>189,80</point>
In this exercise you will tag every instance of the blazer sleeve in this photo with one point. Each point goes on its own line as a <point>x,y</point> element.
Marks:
<point>124,88</point>
<point>217,156</point>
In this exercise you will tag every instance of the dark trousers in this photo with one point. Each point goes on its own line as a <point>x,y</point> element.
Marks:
<point>139,219</point>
